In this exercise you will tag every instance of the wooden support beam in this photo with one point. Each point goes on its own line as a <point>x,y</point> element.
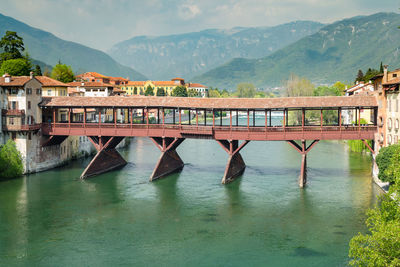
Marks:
<point>235,166</point>
<point>368,146</point>
<point>169,161</point>
<point>107,157</point>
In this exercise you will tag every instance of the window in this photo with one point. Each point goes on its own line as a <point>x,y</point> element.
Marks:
<point>29,91</point>
<point>14,105</point>
<point>49,92</point>
<point>390,105</point>
<point>14,136</point>
<point>390,123</point>
<point>14,91</point>
<point>11,121</point>
<point>29,136</point>
<point>38,91</point>
<point>389,139</point>
<point>394,75</point>
<point>29,104</point>
<point>396,139</point>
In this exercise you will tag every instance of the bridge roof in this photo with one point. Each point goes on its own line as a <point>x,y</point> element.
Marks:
<point>210,103</point>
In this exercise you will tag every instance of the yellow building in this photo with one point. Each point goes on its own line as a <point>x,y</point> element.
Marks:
<point>139,87</point>
<point>51,87</point>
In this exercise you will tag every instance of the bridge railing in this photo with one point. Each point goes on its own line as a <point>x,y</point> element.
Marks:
<point>47,127</point>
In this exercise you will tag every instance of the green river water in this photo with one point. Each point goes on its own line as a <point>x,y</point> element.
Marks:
<point>189,219</point>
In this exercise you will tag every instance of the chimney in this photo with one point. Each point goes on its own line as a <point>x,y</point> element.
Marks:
<point>31,74</point>
<point>7,78</point>
<point>385,74</point>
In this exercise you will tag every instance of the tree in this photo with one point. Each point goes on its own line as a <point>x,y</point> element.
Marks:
<point>149,91</point>
<point>381,246</point>
<point>192,93</point>
<point>381,68</point>
<point>12,46</point>
<point>10,161</point>
<point>16,67</point>
<point>214,93</point>
<point>37,71</point>
<point>135,90</point>
<point>370,74</point>
<point>160,91</point>
<point>386,161</point>
<point>224,93</point>
<point>180,91</point>
<point>296,86</point>
<point>245,90</point>
<point>62,73</point>
<point>360,76</point>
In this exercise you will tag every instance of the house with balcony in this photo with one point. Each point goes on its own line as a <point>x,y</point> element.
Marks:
<point>22,120</point>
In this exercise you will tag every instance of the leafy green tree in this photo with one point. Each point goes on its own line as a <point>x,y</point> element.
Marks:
<point>297,86</point>
<point>224,93</point>
<point>180,91</point>
<point>149,91</point>
<point>385,162</point>
<point>10,161</point>
<point>260,95</point>
<point>245,90</point>
<point>370,74</point>
<point>16,67</point>
<point>381,246</point>
<point>135,90</point>
<point>214,93</point>
<point>37,71</point>
<point>12,45</point>
<point>192,93</point>
<point>62,73</point>
<point>160,91</point>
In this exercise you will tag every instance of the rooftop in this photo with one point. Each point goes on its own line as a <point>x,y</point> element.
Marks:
<point>47,81</point>
<point>14,81</point>
<point>212,103</point>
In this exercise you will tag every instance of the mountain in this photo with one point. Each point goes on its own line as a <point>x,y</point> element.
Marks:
<point>186,55</point>
<point>49,49</point>
<point>336,52</point>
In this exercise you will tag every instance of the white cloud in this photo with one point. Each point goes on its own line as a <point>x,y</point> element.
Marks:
<point>189,11</point>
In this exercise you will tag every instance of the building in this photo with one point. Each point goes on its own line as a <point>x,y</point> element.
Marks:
<point>52,87</point>
<point>90,89</point>
<point>202,90</point>
<point>139,87</point>
<point>361,88</point>
<point>21,122</point>
<point>390,86</point>
<point>97,77</point>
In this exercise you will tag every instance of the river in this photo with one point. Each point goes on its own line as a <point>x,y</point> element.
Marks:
<point>189,219</point>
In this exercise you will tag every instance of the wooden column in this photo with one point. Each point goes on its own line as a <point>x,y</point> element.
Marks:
<point>180,116</point>
<point>69,117</point>
<point>84,117</point>
<point>163,116</point>
<point>359,119</point>
<point>115,118</point>
<point>213,112</point>
<point>197,117</point>
<point>147,117</point>
<point>230,118</point>
<point>248,119</point>
<point>54,117</point>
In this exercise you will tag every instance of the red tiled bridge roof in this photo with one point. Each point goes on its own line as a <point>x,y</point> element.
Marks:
<point>210,103</point>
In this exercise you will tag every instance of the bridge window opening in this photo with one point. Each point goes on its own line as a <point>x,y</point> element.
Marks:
<point>330,117</point>
<point>77,115</point>
<point>169,116</point>
<point>295,118</point>
<point>208,117</point>
<point>108,115</point>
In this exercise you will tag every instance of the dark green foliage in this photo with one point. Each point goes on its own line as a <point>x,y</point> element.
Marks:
<point>135,90</point>
<point>245,90</point>
<point>384,161</point>
<point>324,57</point>
<point>62,73</point>
<point>37,71</point>
<point>381,68</point>
<point>160,91</point>
<point>180,91</point>
<point>12,46</point>
<point>16,67</point>
<point>10,161</point>
<point>381,246</point>
<point>360,76</point>
<point>149,91</point>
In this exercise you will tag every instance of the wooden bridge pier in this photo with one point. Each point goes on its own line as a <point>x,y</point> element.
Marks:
<point>107,157</point>
<point>303,150</point>
<point>235,166</point>
<point>169,161</point>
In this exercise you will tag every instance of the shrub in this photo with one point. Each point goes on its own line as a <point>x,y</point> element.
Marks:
<point>10,161</point>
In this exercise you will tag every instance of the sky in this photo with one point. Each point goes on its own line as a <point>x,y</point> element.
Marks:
<point>102,23</point>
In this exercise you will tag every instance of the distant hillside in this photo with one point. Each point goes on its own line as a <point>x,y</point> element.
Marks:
<point>335,52</point>
<point>49,49</point>
<point>190,54</point>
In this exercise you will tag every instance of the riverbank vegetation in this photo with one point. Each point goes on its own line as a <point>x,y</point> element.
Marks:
<point>10,161</point>
<point>388,161</point>
<point>381,245</point>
